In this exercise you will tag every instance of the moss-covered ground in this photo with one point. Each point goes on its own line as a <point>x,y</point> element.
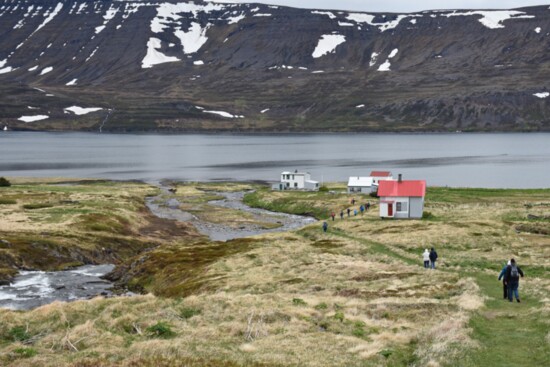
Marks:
<point>354,296</point>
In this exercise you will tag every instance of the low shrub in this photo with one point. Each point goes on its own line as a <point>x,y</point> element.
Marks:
<point>160,330</point>
<point>7,202</point>
<point>25,352</point>
<point>298,302</point>
<point>37,206</point>
<point>4,182</point>
<point>188,312</point>
<point>19,334</point>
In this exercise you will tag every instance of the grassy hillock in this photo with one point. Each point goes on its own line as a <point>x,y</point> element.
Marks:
<point>354,296</point>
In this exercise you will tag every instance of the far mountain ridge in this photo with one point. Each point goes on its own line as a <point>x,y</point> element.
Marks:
<point>182,66</point>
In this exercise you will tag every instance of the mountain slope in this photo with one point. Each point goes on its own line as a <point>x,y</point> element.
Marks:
<point>194,66</point>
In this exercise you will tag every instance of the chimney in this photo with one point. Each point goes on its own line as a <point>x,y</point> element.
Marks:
<point>399,178</point>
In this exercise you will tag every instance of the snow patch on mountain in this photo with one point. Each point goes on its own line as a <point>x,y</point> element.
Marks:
<point>72,82</point>
<point>33,118</point>
<point>327,44</point>
<point>155,57</point>
<point>327,13</point>
<point>82,110</point>
<point>225,114</point>
<point>492,19</point>
<point>541,95</point>
<point>46,70</point>
<point>194,38</point>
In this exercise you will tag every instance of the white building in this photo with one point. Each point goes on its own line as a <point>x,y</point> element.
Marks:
<point>363,185</point>
<point>378,176</point>
<point>402,199</point>
<point>296,181</point>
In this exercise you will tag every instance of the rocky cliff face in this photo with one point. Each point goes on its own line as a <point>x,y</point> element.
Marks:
<point>194,66</point>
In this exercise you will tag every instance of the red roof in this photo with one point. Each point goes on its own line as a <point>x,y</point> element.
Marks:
<point>403,188</point>
<point>380,174</point>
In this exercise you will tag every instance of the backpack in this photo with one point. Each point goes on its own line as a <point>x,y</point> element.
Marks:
<point>514,273</point>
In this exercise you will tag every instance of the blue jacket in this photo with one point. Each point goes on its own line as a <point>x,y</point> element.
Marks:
<point>503,272</point>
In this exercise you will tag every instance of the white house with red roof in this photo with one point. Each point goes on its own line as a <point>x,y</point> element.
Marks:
<point>402,198</point>
<point>378,176</point>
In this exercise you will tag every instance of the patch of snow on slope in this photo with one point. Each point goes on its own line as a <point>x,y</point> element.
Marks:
<point>262,15</point>
<point>7,69</point>
<point>81,110</point>
<point>264,111</point>
<point>225,114</point>
<point>49,17</point>
<point>360,106</point>
<point>493,19</point>
<point>236,19</point>
<point>193,39</point>
<point>3,62</point>
<point>345,24</point>
<point>109,14</point>
<point>33,68</point>
<point>21,23</point>
<point>198,62</point>
<point>373,58</point>
<point>46,70</point>
<point>327,44</point>
<point>167,13</point>
<point>92,54</point>
<point>72,82</point>
<point>33,118</point>
<point>386,65</point>
<point>537,30</point>
<point>155,57</point>
<point>369,19</point>
<point>81,8</point>
<point>542,95</point>
<point>327,13</point>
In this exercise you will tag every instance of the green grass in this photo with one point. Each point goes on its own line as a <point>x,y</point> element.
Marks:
<point>510,334</point>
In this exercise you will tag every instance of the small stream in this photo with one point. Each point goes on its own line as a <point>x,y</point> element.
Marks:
<point>31,289</point>
<point>169,209</point>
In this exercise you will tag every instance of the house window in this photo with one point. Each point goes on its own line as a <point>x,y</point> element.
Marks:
<point>401,206</point>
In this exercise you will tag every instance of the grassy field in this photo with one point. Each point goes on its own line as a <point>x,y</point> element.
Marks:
<point>354,296</point>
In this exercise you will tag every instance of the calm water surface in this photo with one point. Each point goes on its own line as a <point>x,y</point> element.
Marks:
<point>474,160</point>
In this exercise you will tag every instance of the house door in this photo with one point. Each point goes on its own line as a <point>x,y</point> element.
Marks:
<point>390,210</point>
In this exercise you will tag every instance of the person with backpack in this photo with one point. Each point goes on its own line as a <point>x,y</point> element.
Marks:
<point>325,227</point>
<point>513,273</point>
<point>332,216</point>
<point>426,257</point>
<point>349,210</point>
<point>341,214</point>
<point>502,276</point>
<point>362,209</point>
<point>433,258</point>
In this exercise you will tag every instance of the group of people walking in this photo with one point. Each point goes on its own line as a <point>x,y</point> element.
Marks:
<point>362,209</point>
<point>429,257</point>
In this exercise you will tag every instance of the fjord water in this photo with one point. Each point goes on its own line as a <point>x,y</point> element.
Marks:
<point>458,160</point>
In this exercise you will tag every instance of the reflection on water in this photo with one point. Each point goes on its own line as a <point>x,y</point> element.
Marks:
<point>481,160</point>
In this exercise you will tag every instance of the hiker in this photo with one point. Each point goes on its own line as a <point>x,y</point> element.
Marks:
<point>362,209</point>
<point>502,276</point>
<point>341,214</point>
<point>426,257</point>
<point>355,212</point>
<point>349,210</point>
<point>325,226</point>
<point>512,279</point>
<point>368,206</point>
<point>332,215</point>
<point>352,201</point>
<point>433,258</point>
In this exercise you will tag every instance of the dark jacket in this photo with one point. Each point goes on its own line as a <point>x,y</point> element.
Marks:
<point>509,279</point>
<point>433,255</point>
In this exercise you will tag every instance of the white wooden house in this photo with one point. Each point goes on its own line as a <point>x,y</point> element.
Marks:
<point>296,181</point>
<point>364,185</point>
<point>402,199</point>
<point>378,176</point>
